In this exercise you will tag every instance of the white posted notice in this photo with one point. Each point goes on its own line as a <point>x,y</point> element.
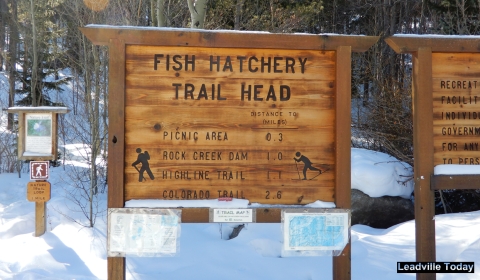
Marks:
<point>38,133</point>
<point>143,232</point>
<point>315,231</point>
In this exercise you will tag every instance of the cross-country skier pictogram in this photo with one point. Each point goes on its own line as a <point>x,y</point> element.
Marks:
<point>143,158</point>
<point>307,165</point>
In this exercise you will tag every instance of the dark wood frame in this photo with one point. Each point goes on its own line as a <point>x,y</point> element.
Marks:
<point>116,38</point>
<point>421,48</point>
<point>22,111</point>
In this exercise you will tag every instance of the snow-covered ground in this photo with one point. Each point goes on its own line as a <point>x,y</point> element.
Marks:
<point>70,251</point>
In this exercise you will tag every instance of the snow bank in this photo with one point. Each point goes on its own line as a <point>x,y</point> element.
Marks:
<point>378,174</point>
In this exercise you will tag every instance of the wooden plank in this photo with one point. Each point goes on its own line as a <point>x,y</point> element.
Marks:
<point>423,154</point>
<point>116,130</point>
<point>458,182</point>
<point>21,135</point>
<point>342,263</point>
<point>100,35</point>
<point>116,141</point>
<point>456,108</point>
<point>287,195</point>
<point>228,93</point>
<point>456,66</point>
<point>54,136</point>
<point>437,43</point>
<point>189,62</point>
<point>199,126</point>
<point>116,268</point>
<point>40,218</point>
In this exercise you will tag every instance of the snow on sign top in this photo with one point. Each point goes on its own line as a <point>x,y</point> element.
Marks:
<point>437,36</point>
<point>206,31</point>
<point>43,109</point>
<point>456,169</point>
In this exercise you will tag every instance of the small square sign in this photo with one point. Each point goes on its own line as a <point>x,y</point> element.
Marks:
<point>39,170</point>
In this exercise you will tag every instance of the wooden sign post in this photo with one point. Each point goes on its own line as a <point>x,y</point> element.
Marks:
<point>197,114</point>
<point>446,110</point>
<point>37,141</point>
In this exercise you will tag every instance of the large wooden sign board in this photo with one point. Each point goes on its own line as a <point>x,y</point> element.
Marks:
<point>446,103</point>
<point>245,123</point>
<point>212,114</point>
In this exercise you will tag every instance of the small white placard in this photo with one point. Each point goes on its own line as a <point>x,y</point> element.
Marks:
<point>232,215</point>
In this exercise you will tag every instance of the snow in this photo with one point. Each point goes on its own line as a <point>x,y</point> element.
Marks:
<point>437,36</point>
<point>456,169</point>
<point>378,174</point>
<point>69,250</point>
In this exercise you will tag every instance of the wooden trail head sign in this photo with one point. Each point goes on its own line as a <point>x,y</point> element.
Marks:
<point>245,123</point>
<point>230,114</point>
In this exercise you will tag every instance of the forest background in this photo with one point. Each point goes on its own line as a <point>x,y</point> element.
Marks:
<point>42,49</point>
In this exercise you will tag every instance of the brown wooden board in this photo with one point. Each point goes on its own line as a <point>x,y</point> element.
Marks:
<point>456,108</point>
<point>229,122</point>
<point>38,191</point>
<point>457,182</point>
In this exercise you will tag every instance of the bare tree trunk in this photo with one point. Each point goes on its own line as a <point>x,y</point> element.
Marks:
<point>12,61</point>
<point>238,14</point>
<point>91,118</point>
<point>162,20</point>
<point>33,82</point>
<point>3,24</point>
<point>94,123</point>
<point>197,10</point>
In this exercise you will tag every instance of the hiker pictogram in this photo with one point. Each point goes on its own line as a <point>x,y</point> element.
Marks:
<point>39,170</point>
<point>143,158</point>
<point>307,165</point>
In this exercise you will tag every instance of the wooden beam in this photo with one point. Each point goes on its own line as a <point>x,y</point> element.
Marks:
<point>437,43</point>
<point>342,263</point>
<point>116,141</point>
<point>423,154</point>
<point>457,182</point>
<point>40,220</point>
<point>101,34</point>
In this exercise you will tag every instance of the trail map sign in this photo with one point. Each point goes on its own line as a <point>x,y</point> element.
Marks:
<point>198,114</point>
